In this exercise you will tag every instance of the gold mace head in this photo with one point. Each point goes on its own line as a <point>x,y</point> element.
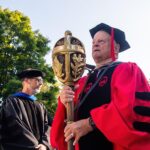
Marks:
<point>68,59</point>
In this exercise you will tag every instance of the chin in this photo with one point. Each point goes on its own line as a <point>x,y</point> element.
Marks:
<point>36,91</point>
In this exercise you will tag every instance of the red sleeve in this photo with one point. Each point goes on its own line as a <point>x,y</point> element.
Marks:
<point>57,131</point>
<point>116,118</point>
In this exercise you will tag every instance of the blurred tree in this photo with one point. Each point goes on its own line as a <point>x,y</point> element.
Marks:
<point>22,48</point>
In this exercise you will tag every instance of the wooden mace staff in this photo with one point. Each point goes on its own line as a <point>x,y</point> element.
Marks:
<point>69,61</point>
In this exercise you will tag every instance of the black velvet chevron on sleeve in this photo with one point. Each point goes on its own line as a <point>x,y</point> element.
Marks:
<point>142,126</point>
<point>143,95</point>
<point>143,111</point>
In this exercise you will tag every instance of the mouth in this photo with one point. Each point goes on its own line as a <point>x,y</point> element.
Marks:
<point>39,87</point>
<point>96,50</point>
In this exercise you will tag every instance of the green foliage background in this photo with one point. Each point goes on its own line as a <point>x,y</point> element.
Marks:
<point>22,48</point>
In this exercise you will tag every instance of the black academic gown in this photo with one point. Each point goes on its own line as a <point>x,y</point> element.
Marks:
<point>24,124</point>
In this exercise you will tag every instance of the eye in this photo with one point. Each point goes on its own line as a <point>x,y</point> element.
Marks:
<point>38,80</point>
<point>101,41</point>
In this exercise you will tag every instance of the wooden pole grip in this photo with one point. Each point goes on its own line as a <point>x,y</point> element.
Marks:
<point>70,119</point>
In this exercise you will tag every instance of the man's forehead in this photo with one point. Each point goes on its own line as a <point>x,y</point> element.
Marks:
<point>101,34</point>
<point>38,77</point>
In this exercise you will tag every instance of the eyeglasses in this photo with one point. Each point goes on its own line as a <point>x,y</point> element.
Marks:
<point>38,79</point>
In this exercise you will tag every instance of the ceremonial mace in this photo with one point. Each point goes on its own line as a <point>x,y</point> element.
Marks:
<point>69,61</point>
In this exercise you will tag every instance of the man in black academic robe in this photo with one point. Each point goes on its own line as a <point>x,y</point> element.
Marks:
<point>24,121</point>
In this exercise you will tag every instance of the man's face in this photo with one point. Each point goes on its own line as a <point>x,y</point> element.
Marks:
<point>35,84</point>
<point>101,46</point>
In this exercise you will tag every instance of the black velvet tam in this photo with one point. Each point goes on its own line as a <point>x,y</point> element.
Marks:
<point>119,35</point>
<point>30,73</point>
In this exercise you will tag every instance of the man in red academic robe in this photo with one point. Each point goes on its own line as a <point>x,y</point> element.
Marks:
<point>112,103</point>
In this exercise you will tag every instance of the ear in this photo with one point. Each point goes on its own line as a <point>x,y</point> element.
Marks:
<point>26,80</point>
<point>117,48</point>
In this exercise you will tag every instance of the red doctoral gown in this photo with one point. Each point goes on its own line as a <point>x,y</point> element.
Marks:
<point>115,119</point>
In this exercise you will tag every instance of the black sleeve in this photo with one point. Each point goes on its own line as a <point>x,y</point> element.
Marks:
<point>46,132</point>
<point>50,120</point>
<point>0,125</point>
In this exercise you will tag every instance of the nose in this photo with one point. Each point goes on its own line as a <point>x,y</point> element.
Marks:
<point>40,82</point>
<point>95,45</point>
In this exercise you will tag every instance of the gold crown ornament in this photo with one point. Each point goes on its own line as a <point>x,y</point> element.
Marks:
<point>69,60</point>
